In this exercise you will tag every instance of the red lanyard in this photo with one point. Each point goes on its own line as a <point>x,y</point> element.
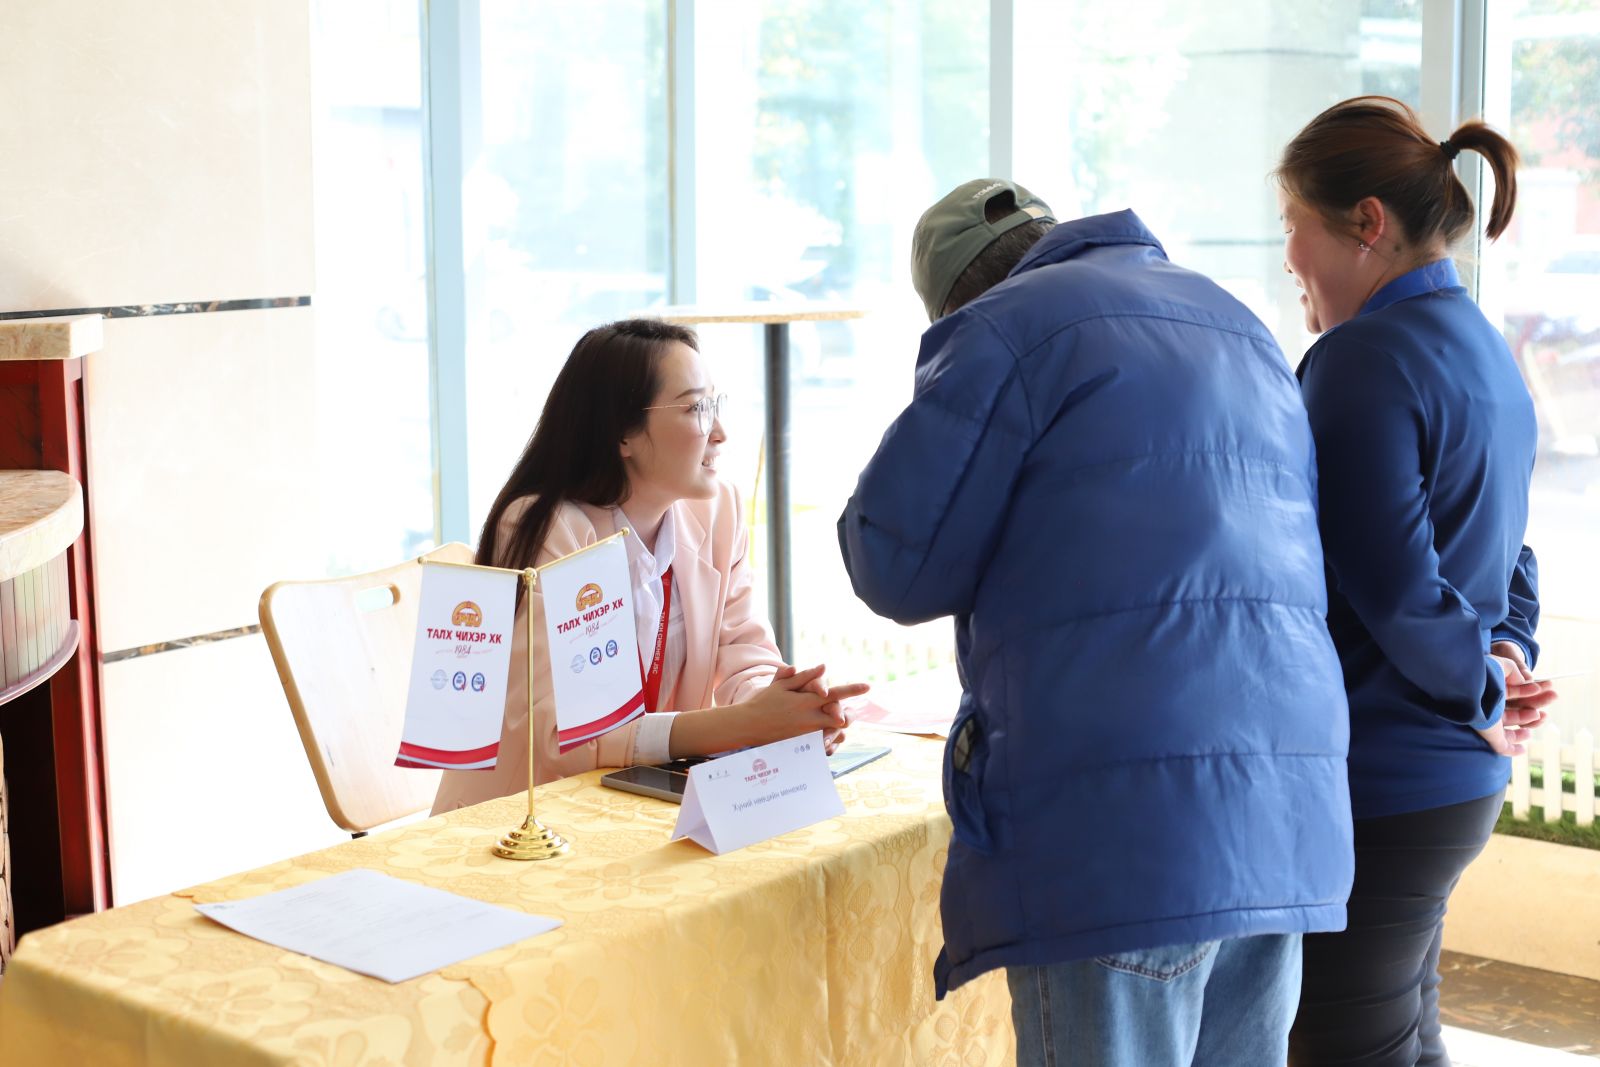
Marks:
<point>652,680</point>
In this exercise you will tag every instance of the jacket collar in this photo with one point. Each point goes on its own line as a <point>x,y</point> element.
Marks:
<point>692,537</point>
<point>603,519</point>
<point>1068,239</point>
<point>1428,278</point>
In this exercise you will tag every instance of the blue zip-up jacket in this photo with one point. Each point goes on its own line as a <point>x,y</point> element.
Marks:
<point>1425,444</point>
<point>1106,476</point>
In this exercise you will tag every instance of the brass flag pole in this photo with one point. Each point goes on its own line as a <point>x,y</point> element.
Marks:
<point>533,840</point>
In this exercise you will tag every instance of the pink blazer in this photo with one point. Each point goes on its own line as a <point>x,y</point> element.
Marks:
<point>730,653</point>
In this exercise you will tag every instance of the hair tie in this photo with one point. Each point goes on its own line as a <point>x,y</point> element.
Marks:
<point>1449,148</point>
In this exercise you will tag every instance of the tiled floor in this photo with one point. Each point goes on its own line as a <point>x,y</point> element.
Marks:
<point>1501,1015</point>
<point>1470,1049</point>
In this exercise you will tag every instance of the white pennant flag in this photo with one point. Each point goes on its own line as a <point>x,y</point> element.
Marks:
<point>594,648</point>
<point>459,667</point>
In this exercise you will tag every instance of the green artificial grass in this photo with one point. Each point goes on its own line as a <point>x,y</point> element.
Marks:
<point>1565,832</point>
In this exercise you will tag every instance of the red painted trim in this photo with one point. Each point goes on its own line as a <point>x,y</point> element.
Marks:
<point>475,755</point>
<point>75,690</point>
<point>44,427</point>
<point>19,416</point>
<point>577,735</point>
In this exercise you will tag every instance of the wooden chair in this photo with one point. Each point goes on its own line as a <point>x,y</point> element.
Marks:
<point>343,647</point>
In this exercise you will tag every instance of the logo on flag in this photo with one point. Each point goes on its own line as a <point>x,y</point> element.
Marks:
<point>463,628</point>
<point>603,687</point>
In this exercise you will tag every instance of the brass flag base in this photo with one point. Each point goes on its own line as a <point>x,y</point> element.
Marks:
<point>533,840</point>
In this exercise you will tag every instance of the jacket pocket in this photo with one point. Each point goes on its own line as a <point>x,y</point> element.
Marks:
<point>966,754</point>
<point>1159,964</point>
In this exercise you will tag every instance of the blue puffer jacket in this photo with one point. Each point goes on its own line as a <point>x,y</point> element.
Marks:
<point>1107,477</point>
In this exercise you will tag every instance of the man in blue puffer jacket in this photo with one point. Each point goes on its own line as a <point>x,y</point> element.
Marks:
<point>1106,475</point>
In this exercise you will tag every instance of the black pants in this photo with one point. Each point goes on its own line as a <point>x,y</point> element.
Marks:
<point>1369,995</point>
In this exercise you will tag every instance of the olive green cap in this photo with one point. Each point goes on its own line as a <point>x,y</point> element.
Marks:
<point>952,232</point>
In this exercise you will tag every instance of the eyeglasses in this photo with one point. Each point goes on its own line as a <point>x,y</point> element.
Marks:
<point>706,410</point>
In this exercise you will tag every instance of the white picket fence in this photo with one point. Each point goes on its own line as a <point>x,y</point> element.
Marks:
<point>1553,757</point>
<point>874,650</point>
<point>858,646</point>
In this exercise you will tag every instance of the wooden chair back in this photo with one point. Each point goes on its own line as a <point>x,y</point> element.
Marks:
<point>343,648</point>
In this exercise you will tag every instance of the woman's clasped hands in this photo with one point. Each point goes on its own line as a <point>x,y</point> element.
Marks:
<point>1526,700</point>
<point>798,702</point>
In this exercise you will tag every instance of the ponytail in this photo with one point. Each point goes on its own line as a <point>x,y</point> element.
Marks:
<point>1502,158</point>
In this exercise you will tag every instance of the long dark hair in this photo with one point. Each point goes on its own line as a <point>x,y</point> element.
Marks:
<point>1376,146</point>
<point>598,399</point>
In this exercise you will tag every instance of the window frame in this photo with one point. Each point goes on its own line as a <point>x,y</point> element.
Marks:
<point>1453,58</point>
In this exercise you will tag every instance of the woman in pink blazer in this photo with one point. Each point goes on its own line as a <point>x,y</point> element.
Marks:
<point>629,436</point>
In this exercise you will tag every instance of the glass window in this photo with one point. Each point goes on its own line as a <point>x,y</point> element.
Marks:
<point>836,124</point>
<point>824,128</point>
<point>1542,281</point>
<point>1179,111</point>
<point>375,491</point>
<point>567,204</point>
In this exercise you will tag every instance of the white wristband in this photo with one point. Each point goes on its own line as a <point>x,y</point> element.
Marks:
<point>653,741</point>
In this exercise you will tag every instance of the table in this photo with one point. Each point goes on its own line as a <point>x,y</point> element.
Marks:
<point>813,948</point>
<point>776,318</point>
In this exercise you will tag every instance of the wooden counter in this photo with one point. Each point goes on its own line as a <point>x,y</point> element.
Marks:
<point>49,656</point>
<point>62,337</point>
<point>41,515</point>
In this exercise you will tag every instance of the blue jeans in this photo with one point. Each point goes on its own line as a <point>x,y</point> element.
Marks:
<point>1222,1003</point>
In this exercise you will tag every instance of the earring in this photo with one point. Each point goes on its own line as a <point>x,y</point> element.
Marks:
<point>1364,246</point>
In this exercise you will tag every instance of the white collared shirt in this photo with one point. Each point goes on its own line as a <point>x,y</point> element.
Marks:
<point>652,742</point>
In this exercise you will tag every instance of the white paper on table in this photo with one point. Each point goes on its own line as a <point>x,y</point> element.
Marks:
<point>897,720</point>
<point>1557,677</point>
<point>758,793</point>
<point>376,925</point>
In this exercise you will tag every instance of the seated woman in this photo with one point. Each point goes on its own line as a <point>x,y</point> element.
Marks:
<point>629,437</point>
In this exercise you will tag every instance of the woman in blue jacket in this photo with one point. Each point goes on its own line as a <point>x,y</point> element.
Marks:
<point>1425,439</point>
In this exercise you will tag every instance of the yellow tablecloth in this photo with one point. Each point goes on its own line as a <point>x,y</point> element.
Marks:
<point>814,948</point>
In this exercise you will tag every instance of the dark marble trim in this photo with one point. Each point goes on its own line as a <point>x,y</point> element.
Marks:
<point>181,642</point>
<point>138,311</point>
